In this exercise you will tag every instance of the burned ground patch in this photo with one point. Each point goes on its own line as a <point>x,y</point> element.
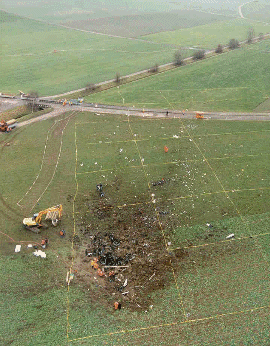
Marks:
<point>124,258</point>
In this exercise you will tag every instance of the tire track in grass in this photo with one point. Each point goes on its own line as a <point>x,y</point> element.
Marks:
<point>41,166</point>
<point>57,161</point>
<point>49,162</point>
<point>6,209</point>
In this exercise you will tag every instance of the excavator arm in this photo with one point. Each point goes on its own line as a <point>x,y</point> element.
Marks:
<point>52,213</point>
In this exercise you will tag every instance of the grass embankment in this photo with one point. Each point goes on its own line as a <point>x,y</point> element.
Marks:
<point>207,162</point>
<point>234,81</point>
<point>22,113</point>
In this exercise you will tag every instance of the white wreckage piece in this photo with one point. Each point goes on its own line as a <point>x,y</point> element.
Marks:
<point>18,248</point>
<point>39,253</point>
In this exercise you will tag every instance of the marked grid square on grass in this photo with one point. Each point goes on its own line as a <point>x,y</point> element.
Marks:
<point>94,319</point>
<point>224,278</point>
<point>186,220</point>
<point>252,328</point>
<point>155,129</point>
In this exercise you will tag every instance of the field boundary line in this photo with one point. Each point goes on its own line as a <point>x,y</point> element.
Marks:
<point>171,163</point>
<point>86,122</point>
<point>174,323</point>
<point>74,226</point>
<point>220,242</point>
<point>180,137</point>
<point>159,222</point>
<point>184,197</point>
<point>218,192</point>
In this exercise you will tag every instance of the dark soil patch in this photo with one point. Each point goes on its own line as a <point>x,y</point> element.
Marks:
<point>129,250</point>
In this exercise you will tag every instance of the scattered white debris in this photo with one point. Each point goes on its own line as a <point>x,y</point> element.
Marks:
<point>81,164</point>
<point>175,136</point>
<point>29,245</point>
<point>142,159</point>
<point>18,248</point>
<point>125,283</point>
<point>121,149</point>
<point>151,277</point>
<point>95,163</point>
<point>169,243</point>
<point>230,236</point>
<point>39,253</point>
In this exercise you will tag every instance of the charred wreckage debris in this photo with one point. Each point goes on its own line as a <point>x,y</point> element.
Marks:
<point>126,258</point>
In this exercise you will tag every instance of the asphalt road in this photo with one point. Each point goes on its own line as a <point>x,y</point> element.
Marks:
<point>153,113</point>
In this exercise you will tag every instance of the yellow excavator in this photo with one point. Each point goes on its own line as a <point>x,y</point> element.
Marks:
<point>199,115</point>
<point>34,223</point>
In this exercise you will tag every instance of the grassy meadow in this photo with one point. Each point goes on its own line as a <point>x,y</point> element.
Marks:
<point>146,23</point>
<point>234,81</point>
<point>81,10</point>
<point>215,175</point>
<point>257,11</point>
<point>208,36</point>
<point>50,60</point>
<point>215,172</point>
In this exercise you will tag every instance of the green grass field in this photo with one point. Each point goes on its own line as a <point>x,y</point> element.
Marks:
<point>208,36</point>
<point>48,59</point>
<point>146,23</point>
<point>216,290</point>
<point>257,11</point>
<point>30,63</point>
<point>215,172</point>
<point>80,10</point>
<point>233,81</point>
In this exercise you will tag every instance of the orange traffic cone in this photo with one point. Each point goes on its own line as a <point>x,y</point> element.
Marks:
<point>166,149</point>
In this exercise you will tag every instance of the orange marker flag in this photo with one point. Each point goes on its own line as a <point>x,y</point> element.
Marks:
<point>166,149</point>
